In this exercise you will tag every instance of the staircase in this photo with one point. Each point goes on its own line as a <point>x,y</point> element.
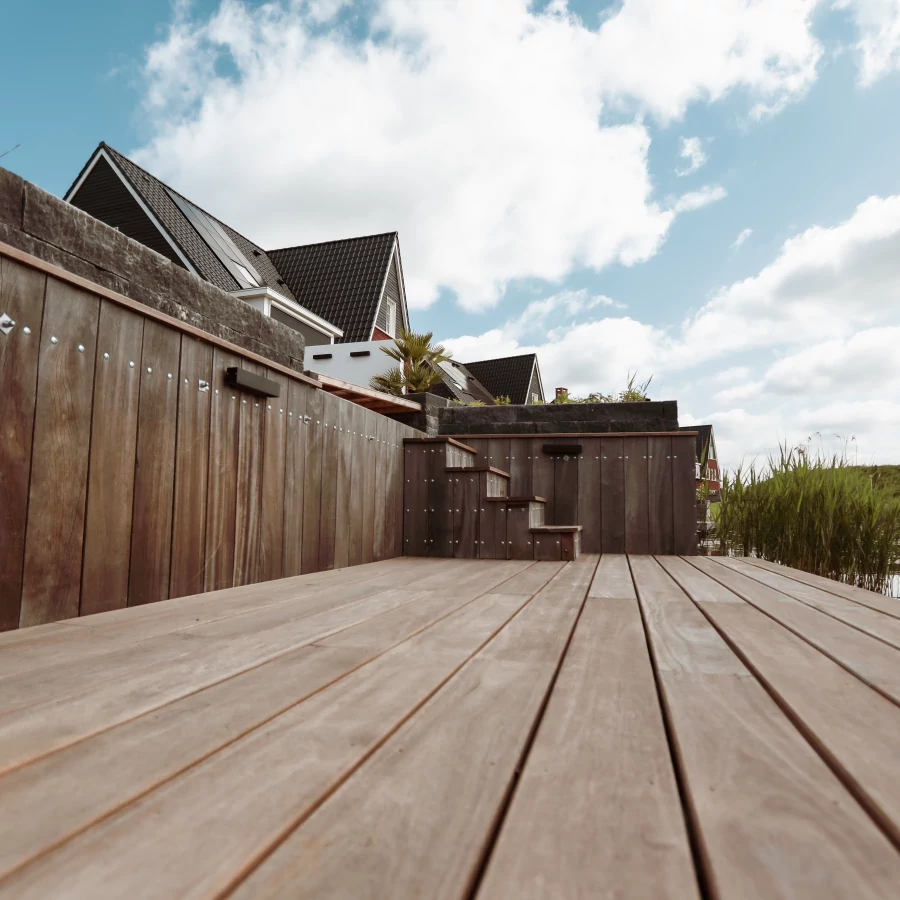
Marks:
<point>455,508</point>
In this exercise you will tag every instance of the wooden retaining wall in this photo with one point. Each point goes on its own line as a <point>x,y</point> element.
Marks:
<point>130,472</point>
<point>631,493</point>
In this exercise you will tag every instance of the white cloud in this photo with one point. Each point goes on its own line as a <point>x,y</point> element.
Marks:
<point>742,237</point>
<point>475,129</point>
<point>692,151</point>
<point>698,199</point>
<point>806,347</point>
<point>878,47</point>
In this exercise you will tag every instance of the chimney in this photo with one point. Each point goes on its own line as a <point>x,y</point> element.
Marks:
<point>562,391</point>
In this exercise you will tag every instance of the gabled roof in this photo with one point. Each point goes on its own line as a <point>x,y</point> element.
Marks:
<point>341,281</point>
<point>460,384</point>
<point>508,376</point>
<point>705,441</point>
<point>162,205</point>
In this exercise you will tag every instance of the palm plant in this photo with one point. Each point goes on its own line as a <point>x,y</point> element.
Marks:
<point>418,361</point>
<point>390,382</point>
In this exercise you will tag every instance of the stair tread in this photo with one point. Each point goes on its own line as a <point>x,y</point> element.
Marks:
<point>493,469</point>
<point>440,440</point>
<point>516,499</point>
<point>554,529</point>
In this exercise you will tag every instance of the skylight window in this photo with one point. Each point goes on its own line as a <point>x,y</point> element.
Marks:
<point>220,243</point>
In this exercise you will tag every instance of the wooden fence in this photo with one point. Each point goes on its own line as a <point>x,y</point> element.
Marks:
<point>631,493</point>
<point>130,472</point>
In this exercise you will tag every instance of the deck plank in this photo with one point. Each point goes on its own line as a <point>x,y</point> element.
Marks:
<point>854,727</point>
<point>870,621</point>
<point>597,812</point>
<point>888,605</point>
<point>61,794</point>
<point>111,690</point>
<point>220,822</point>
<point>872,660</point>
<point>770,817</point>
<point>416,820</point>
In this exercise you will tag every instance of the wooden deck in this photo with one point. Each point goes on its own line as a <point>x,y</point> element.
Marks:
<point>419,728</point>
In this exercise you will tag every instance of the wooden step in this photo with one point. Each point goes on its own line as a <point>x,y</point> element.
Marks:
<point>557,542</point>
<point>440,440</point>
<point>470,469</point>
<point>517,501</point>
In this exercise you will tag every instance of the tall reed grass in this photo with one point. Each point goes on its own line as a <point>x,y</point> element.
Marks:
<point>814,514</point>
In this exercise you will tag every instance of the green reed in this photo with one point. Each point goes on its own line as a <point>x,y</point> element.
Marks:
<point>814,514</point>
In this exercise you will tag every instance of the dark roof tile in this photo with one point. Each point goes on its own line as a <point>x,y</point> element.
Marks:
<point>508,376</point>
<point>341,281</point>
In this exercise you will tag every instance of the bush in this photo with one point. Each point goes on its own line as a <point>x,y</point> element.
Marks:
<point>820,516</point>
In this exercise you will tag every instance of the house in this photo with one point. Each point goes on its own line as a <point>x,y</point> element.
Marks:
<point>706,474</point>
<point>516,377</point>
<point>337,291</point>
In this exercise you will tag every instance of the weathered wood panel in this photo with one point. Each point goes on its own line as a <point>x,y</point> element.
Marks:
<point>248,507</point>
<point>114,429</point>
<point>22,299</point>
<point>637,496</point>
<point>271,534</point>
<point>191,465</point>
<point>130,472</point>
<point>224,423</point>
<point>294,478</point>
<point>54,537</point>
<point>329,472</point>
<point>659,474</point>
<point>312,483</point>
<point>154,479</point>
<point>629,491</point>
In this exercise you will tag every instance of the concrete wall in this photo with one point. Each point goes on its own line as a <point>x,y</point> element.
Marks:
<point>428,418</point>
<point>45,226</point>
<point>585,418</point>
<point>355,369</point>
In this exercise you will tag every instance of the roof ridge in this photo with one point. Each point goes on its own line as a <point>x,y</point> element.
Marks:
<point>169,187</point>
<point>361,237</point>
<point>501,358</point>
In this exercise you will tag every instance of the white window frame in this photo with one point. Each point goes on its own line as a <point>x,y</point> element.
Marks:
<point>391,317</point>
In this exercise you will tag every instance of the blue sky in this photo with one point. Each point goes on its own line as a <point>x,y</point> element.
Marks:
<point>528,155</point>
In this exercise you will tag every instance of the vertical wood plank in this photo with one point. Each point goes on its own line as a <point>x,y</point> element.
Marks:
<point>396,488</point>
<point>480,446</point>
<point>344,483</point>
<point>498,453</point>
<point>271,528</point>
<point>51,582</point>
<point>466,493</point>
<point>542,477</point>
<point>659,465</point>
<point>22,299</point>
<point>381,479</point>
<point>637,524</point>
<point>248,507</point>
<point>684,495</point>
<point>415,501</point>
<point>612,495</point>
<point>520,467</point>
<point>187,575</point>
<point>357,484</point>
<point>154,477</point>
<point>565,490</point>
<point>589,496</point>
<point>519,539</point>
<point>114,430</point>
<point>328,510</point>
<point>294,477</point>
<point>440,532</point>
<point>370,487</point>
<point>312,484</point>
<point>224,429</point>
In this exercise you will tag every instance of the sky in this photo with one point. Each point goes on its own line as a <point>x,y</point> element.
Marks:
<point>705,193</point>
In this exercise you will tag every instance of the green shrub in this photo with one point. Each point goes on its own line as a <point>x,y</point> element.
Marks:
<point>816,515</point>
